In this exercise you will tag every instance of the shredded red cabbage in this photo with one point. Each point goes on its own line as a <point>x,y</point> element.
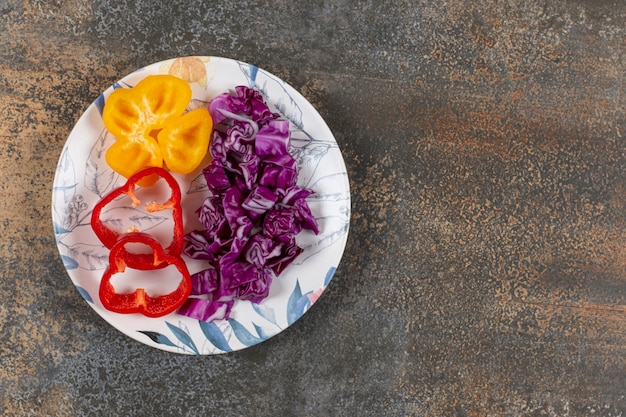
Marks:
<point>255,210</point>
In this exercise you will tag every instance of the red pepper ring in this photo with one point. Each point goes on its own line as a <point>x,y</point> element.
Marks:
<point>139,301</point>
<point>109,237</point>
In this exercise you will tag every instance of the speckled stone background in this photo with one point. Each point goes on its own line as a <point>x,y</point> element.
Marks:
<point>485,272</point>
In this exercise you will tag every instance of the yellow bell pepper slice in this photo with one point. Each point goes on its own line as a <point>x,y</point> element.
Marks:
<point>146,106</point>
<point>184,141</point>
<point>150,126</point>
<point>127,157</point>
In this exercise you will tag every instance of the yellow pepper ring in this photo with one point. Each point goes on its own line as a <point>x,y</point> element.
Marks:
<point>150,126</point>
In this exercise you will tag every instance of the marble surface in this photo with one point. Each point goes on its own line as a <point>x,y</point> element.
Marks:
<point>485,272</point>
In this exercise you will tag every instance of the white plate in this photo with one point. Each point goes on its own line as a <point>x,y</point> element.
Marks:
<point>83,177</point>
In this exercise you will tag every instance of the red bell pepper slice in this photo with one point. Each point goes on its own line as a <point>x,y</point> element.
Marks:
<point>139,301</point>
<point>110,237</point>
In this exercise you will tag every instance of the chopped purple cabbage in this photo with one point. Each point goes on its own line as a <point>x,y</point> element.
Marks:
<point>255,210</point>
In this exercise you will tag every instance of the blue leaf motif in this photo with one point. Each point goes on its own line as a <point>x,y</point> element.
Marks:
<point>214,335</point>
<point>83,292</point>
<point>253,72</point>
<point>329,275</point>
<point>69,263</point>
<point>158,338</point>
<point>266,312</point>
<point>297,304</point>
<point>243,334</point>
<point>184,338</point>
<point>296,295</point>
<point>263,332</point>
<point>99,103</point>
<point>58,229</point>
<point>65,187</point>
